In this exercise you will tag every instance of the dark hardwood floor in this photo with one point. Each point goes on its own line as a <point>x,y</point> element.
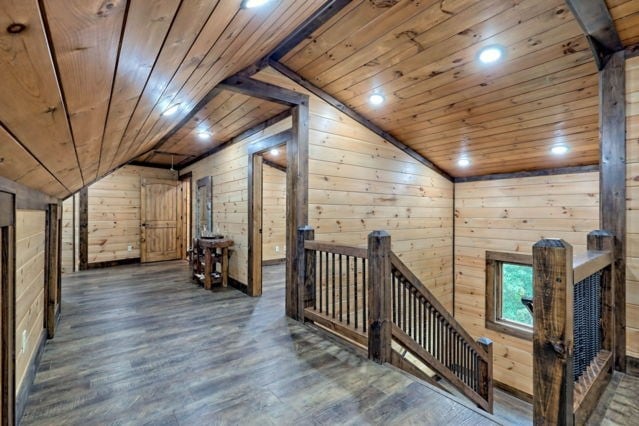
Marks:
<point>142,345</point>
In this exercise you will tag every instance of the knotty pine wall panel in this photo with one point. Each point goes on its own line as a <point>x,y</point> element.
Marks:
<point>632,206</point>
<point>114,213</point>
<point>273,214</point>
<point>510,215</point>
<point>67,253</point>
<point>30,247</point>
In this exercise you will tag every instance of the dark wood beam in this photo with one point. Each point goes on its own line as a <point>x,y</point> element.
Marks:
<point>274,165</point>
<point>26,198</point>
<point>356,116</point>
<point>308,27</point>
<point>594,18</point>
<point>83,229</point>
<point>148,164</point>
<point>250,132</point>
<point>612,186</point>
<point>531,173</point>
<point>262,90</point>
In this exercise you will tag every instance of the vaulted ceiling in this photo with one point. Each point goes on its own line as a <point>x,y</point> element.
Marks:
<point>84,83</point>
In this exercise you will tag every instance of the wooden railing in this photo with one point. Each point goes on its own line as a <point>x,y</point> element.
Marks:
<point>368,296</point>
<point>573,316</point>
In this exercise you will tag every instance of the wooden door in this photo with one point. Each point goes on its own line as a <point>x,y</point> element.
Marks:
<point>159,231</point>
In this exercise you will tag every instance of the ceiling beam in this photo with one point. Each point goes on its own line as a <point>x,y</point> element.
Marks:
<point>356,116</point>
<point>274,165</point>
<point>262,90</point>
<point>594,18</point>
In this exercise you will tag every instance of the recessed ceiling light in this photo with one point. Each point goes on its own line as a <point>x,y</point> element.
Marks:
<point>203,135</point>
<point>491,54</point>
<point>463,162</point>
<point>376,99</point>
<point>250,4</point>
<point>171,110</point>
<point>274,152</point>
<point>559,149</point>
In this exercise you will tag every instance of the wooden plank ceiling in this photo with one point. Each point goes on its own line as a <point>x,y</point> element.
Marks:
<point>276,156</point>
<point>441,101</point>
<point>84,83</point>
<point>625,14</point>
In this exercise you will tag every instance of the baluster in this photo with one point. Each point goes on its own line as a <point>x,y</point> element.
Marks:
<point>327,283</point>
<point>404,313</point>
<point>348,291</point>
<point>355,287</point>
<point>341,292</point>
<point>393,296</point>
<point>333,283</point>
<point>421,323</point>
<point>364,291</point>
<point>319,280</point>
<point>409,317</point>
<point>414,296</point>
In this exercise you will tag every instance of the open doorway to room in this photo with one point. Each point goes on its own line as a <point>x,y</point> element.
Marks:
<point>267,211</point>
<point>184,215</point>
<point>7,306</point>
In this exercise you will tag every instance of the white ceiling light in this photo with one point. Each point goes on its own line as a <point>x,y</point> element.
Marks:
<point>490,54</point>
<point>250,4</point>
<point>274,152</point>
<point>376,99</point>
<point>463,162</point>
<point>171,110</point>
<point>203,135</point>
<point>559,149</point>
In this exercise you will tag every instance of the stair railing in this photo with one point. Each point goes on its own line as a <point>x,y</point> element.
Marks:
<point>368,296</point>
<point>573,335</point>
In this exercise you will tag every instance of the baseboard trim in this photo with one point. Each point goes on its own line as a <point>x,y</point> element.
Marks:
<point>110,263</point>
<point>238,285</point>
<point>272,262</point>
<point>513,391</point>
<point>25,388</point>
<point>632,366</point>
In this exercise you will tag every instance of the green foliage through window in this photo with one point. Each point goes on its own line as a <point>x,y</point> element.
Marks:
<point>516,282</point>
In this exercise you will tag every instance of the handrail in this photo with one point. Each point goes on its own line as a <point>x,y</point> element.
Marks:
<point>588,263</point>
<point>447,347</point>
<point>336,248</point>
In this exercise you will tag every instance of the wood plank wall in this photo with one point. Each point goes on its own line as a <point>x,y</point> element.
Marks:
<point>273,214</point>
<point>114,213</point>
<point>632,206</point>
<point>30,248</point>
<point>510,215</point>
<point>67,254</point>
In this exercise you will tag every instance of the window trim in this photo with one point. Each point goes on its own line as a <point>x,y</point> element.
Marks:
<point>493,292</point>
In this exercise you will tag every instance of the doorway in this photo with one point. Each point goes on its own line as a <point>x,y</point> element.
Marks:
<point>185,215</point>
<point>159,231</point>
<point>271,153</point>
<point>7,307</point>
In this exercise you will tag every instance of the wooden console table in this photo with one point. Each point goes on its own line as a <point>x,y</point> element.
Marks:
<point>207,253</point>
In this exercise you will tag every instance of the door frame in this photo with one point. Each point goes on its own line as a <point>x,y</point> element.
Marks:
<point>186,220</point>
<point>255,168</point>
<point>7,308</point>
<point>178,231</point>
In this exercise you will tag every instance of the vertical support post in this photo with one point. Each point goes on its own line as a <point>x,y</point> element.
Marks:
<point>612,184</point>
<point>52,270</point>
<point>379,297</point>
<point>83,229</point>
<point>553,334</point>
<point>486,372</point>
<point>296,200</point>
<point>305,270</point>
<point>604,240</point>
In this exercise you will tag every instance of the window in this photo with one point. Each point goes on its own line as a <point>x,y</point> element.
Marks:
<point>509,277</point>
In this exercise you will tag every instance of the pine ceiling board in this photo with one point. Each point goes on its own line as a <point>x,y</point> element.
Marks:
<point>279,158</point>
<point>18,165</point>
<point>196,26</point>
<point>85,36</point>
<point>31,104</point>
<point>260,35</point>
<point>147,24</point>
<point>625,15</point>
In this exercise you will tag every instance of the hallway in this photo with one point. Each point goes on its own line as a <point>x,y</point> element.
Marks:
<point>142,345</point>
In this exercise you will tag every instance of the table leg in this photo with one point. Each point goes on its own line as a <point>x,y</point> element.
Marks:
<point>225,266</point>
<point>207,268</point>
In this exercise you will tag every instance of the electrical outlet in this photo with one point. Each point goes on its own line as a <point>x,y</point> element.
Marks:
<point>130,247</point>
<point>277,249</point>
<point>23,347</point>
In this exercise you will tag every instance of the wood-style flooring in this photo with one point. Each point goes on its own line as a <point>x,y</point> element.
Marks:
<point>619,404</point>
<point>143,345</point>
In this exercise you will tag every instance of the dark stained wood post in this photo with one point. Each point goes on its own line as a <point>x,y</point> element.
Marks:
<point>379,296</point>
<point>305,270</point>
<point>83,228</point>
<point>52,267</point>
<point>605,241</point>
<point>553,380</point>
<point>486,372</point>
<point>612,185</point>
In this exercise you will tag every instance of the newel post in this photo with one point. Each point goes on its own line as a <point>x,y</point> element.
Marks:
<point>486,372</point>
<point>605,241</point>
<point>379,297</point>
<point>305,271</point>
<point>553,334</point>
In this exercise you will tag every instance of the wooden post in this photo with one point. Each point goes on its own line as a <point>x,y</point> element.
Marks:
<point>83,228</point>
<point>379,297</point>
<point>486,372</point>
<point>52,271</point>
<point>604,240</point>
<point>612,184</point>
<point>305,270</point>
<point>553,380</point>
